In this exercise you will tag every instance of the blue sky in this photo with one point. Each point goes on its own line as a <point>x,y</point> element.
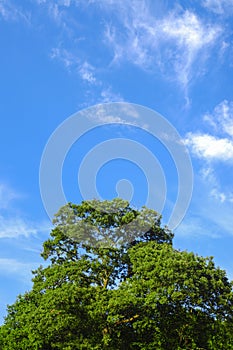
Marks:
<point>59,57</point>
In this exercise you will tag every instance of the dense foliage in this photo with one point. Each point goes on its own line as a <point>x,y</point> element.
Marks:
<point>115,282</point>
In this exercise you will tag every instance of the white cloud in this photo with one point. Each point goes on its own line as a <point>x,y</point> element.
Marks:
<point>10,12</point>
<point>65,3</point>
<point>220,7</point>
<point>222,118</point>
<point>211,218</point>
<point>145,40</point>
<point>194,227</point>
<point>102,93</point>
<point>107,95</point>
<point>220,145</point>
<point>6,196</point>
<point>71,61</point>
<point>11,265</point>
<point>55,12</point>
<point>218,195</point>
<point>210,147</point>
<point>209,177</point>
<point>190,36</point>
<point>14,227</point>
<point>21,270</point>
<point>211,212</point>
<point>86,71</point>
<point>172,44</point>
<point>3,11</point>
<point>11,224</point>
<point>63,55</point>
<point>188,30</point>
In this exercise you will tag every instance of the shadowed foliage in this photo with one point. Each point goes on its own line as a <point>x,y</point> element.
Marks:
<point>116,282</point>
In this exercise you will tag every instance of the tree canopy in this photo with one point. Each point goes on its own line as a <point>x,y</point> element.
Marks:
<point>115,281</point>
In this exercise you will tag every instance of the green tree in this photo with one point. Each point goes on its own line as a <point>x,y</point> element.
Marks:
<point>115,282</point>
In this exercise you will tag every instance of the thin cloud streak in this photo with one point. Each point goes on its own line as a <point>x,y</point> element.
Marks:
<point>7,195</point>
<point>221,120</point>
<point>145,43</point>
<point>72,62</point>
<point>209,177</point>
<point>173,45</point>
<point>14,227</point>
<point>219,7</point>
<point>22,271</point>
<point>191,36</point>
<point>11,12</point>
<point>11,224</point>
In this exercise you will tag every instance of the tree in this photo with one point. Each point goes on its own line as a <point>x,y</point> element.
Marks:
<point>116,282</point>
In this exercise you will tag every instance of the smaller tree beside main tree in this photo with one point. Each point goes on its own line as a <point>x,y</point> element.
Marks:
<point>116,282</point>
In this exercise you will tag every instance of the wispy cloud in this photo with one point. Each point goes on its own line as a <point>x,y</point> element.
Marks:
<point>11,265</point>
<point>103,92</point>
<point>220,196</point>
<point>220,7</point>
<point>72,62</point>
<point>209,177</point>
<point>146,39</point>
<point>87,72</point>
<point>211,213</point>
<point>20,270</point>
<point>65,3</point>
<point>194,227</point>
<point>7,195</point>
<point>12,12</point>
<point>176,44</point>
<point>12,226</point>
<point>66,57</point>
<point>221,120</point>
<point>107,95</point>
<point>214,220</point>
<point>191,37</point>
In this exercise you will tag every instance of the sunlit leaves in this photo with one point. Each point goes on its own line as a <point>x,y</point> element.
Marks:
<point>120,293</point>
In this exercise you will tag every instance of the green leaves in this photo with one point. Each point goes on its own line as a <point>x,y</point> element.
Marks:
<point>109,224</point>
<point>115,282</point>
